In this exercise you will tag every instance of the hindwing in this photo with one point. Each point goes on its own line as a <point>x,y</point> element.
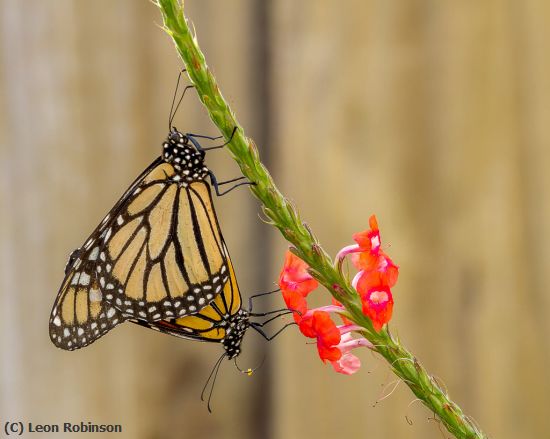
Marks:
<point>211,324</point>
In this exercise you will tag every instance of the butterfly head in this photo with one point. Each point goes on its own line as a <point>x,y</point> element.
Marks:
<point>185,154</point>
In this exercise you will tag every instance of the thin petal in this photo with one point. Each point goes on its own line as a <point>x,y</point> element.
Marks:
<point>326,330</point>
<point>328,353</point>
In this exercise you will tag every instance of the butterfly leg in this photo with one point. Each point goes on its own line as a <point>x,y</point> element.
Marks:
<point>259,295</point>
<point>192,137</point>
<point>281,313</point>
<point>265,314</point>
<point>216,185</point>
<point>200,136</point>
<point>259,330</point>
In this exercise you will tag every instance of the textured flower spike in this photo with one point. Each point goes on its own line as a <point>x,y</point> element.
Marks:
<point>286,218</point>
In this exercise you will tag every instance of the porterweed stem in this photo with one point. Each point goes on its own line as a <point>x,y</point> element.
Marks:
<point>283,215</point>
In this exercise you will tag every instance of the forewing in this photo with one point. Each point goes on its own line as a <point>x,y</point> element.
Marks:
<point>158,254</point>
<point>163,255</point>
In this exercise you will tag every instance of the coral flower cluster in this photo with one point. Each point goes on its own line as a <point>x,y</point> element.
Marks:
<point>376,275</point>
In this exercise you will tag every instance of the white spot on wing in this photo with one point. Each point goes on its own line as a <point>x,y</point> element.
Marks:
<point>74,280</point>
<point>95,295</point>
<point>84,279</point>
<point>94,253</point>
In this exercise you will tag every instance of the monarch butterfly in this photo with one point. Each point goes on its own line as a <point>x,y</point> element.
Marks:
<point>158,254</point>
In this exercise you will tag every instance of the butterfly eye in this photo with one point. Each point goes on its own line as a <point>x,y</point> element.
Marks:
<point>175,136</point>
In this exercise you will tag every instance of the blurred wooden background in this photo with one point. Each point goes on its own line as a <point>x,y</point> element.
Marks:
<point>433,115</point>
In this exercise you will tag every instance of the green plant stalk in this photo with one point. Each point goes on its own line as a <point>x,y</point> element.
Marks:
<point>285,217</point>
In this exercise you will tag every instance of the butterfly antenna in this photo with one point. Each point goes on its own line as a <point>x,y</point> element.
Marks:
<point>213,375</point>
<point>170,118</point>
<point>249,371</point>
<point>179,102</point>
<point>172,110</point>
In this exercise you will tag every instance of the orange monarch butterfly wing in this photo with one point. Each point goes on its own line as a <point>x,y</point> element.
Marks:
<point>222,321</point>
<point>79,315</point>
<point>162,256</point>
<point>157,254</point>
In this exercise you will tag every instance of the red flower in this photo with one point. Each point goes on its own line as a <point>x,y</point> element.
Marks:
<point>369,240</point>
<point>295,277</point>
<point>377,305</point>
<point>377,274</point>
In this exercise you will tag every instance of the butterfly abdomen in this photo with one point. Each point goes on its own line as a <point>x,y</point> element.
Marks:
<point>237,326</point>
